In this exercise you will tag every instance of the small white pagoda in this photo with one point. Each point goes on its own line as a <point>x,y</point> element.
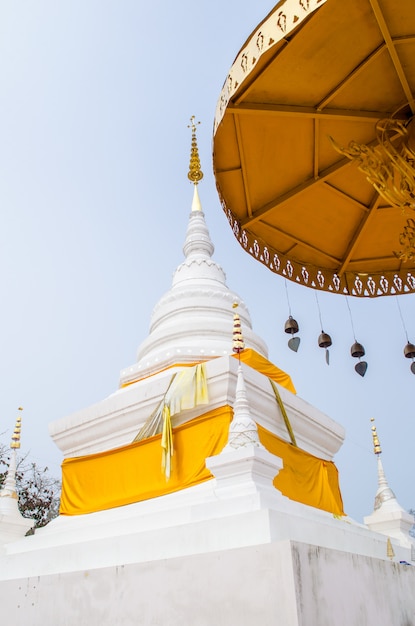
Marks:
<point>203,491</point>
<point>12,523</point>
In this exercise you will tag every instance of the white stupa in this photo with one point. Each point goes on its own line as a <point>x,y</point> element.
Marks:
<point>203,490</point>
<point>388,516</point>
<point>12,523</point>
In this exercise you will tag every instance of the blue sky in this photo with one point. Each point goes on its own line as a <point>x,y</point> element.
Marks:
<point>95,101</point>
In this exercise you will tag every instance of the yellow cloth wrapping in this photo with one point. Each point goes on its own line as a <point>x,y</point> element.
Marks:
<point>189,389</point>
<point>166,442</point>
<point>186,390</point>
<point>304,477</point>
<point>261,364</point>
<point>132,473</point>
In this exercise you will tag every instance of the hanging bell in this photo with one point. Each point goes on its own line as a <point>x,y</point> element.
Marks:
<point>357,350</point>
<point>409,350</point>
<point>324,340</point>
<point>291,326</point>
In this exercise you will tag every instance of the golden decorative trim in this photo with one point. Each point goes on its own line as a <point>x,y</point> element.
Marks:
<point>407,241</point>
<point>5,494</point>
<point>389,165</point>
<point>368,285</point>
<point>389,549</point>
<point>286,16</point>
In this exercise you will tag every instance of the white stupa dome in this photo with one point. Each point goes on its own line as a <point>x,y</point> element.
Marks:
<point>193,321</point>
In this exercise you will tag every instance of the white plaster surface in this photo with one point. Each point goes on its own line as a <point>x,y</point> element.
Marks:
<point>287,583</point>
<point>13,525</point>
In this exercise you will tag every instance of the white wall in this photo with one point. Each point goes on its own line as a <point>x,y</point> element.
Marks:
<point>287,584</point>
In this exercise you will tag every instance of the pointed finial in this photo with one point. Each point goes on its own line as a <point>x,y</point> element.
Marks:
<point>9,486</point>
<point>195,174</point>
<point>238,341</point>
<point>376,443</point>
<point>384,492</point>
<point>15,442</point>
<point>243,431</point>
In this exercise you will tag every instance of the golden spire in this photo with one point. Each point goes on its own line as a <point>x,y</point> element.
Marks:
<point>376,443</point>
<point>238,341</point>
<point>195,173</point>
<point>15,442</point>
<point>9,486</point>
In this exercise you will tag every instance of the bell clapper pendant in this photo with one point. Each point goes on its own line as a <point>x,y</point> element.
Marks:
<point>327,357</point>
<point>324,341</point>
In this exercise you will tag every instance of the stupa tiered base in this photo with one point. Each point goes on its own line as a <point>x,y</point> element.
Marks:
<point>232,550</point>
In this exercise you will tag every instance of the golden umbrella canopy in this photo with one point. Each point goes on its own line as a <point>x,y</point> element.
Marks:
<point>314,145</point>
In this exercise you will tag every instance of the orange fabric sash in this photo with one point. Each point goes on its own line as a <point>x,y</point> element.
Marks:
<point>249,357</point>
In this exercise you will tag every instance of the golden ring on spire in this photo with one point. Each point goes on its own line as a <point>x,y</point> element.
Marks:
<point>195,173</point>
<point>15,440</point>
<point>376,443</point>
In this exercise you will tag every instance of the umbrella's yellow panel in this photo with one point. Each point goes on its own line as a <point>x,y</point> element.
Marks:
<point>312,72</point>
